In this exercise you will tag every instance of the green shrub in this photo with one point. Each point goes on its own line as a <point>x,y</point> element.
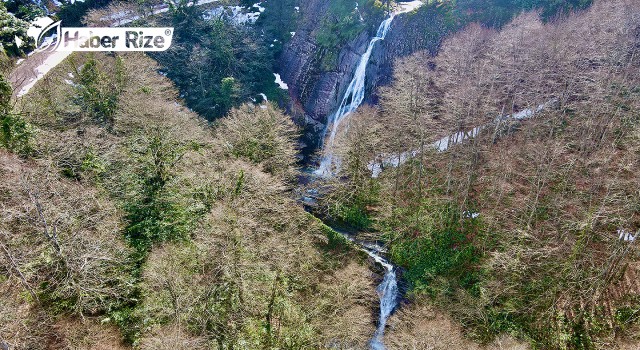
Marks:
<point>335,239</point>
<point>15,132</point>
<point>353,215</point>
<point>445,252</point>
<point>99,92</point>
<point>154,211</point>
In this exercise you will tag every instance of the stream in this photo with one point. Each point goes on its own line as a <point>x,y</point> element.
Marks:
<point>352,99</point>
<point>387,290</point>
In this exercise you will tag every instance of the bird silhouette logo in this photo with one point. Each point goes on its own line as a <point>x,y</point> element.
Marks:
<point>45,32</point>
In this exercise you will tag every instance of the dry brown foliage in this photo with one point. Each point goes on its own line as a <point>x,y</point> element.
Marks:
<point>254,246</point>
<point>552,191</point>
<point>58,239</point>
<point>420,326</point>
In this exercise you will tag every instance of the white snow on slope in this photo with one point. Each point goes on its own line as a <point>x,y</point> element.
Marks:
<point>54,59</point>
<point>376,166</point>
<point>281,83</point>
<point>236,14</point>
<point>404,7</point>
<point>626,236</point>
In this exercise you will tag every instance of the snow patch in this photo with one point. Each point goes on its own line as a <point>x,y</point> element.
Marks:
<point>404,7</point>
<point>49,63</point>
<point>470,215</point>
<point>385,160</point>
<point>260,8</point>
<point>236,14</point>
<point>626,236</point>
<point>281,83</point>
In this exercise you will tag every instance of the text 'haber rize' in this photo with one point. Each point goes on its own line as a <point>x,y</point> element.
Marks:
<point>132,40</point>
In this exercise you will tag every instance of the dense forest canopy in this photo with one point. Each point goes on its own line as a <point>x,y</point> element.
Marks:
<point>157,201</point>
<point>517,229</point>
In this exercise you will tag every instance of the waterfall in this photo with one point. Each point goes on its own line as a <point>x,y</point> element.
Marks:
<point>354,95</point>
<point>388,293</point>
<point>352,99</point>
<point>387,290</point>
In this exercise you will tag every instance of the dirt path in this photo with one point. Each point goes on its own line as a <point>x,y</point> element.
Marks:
<point>28,72</point>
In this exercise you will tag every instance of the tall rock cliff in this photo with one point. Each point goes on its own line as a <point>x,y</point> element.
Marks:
<point>422,29</point>
<point>316,90</point>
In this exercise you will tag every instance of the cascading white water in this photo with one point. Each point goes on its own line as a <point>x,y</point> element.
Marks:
<point>388,293</point>
<point>387,290</point>
<point>352,99</point>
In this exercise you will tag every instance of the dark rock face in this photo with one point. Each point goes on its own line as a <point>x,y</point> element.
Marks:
<point>315,90</point>
<point>316,93</point>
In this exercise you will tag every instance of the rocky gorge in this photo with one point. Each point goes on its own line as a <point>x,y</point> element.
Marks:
<point>316,90</point>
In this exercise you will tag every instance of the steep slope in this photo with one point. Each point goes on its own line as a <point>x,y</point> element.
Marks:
<point>162,228</point>
<point>528,227</point>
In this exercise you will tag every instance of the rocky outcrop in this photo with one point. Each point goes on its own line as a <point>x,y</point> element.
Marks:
<point>313,88</point>
<point>409,33</point>
<point>316,91</point>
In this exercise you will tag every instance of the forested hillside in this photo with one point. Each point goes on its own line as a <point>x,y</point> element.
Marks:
<point>127,221</point>
<point>524,228</point>
<point>484,196</point>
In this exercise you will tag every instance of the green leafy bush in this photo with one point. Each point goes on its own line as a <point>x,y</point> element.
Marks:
<point>12,27</point>
<point>443,251</point>
<point>99,93</point>
<point>153,209</point>
<point>15,132</point>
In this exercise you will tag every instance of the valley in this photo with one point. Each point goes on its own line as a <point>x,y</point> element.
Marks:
<point>324,174</point>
